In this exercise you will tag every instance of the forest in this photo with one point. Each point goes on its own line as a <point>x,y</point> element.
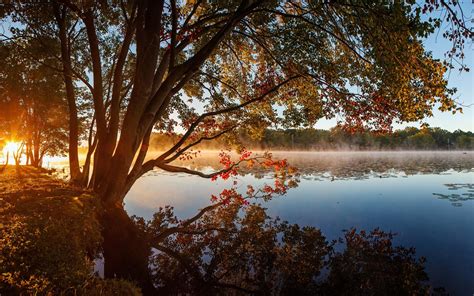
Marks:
<point>312,139</point>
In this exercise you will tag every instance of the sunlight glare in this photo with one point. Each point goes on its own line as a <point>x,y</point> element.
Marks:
<point>11,148</point>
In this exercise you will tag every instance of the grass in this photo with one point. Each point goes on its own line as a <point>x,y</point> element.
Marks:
<point>49,236</point>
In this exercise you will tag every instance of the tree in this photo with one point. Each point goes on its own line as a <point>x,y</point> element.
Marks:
<point>144,61</point>
<point>32,110</point>
<point>421,140</point>
<point>244,256</point>
<point>465,142</point>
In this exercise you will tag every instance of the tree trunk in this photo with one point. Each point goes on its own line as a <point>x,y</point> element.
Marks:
<point>75,171</point>
<point>35,159</point>
<point>4,167</point>
<point>126,250</point>
<point>28,151</point>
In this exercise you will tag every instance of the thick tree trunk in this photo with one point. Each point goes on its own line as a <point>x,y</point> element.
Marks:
<point>73,136</point>
<point>126,250</point>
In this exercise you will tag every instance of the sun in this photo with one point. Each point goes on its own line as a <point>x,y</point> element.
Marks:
<point>11,148</point>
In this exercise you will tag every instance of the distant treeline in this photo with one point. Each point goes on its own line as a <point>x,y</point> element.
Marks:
<point>410,138</point>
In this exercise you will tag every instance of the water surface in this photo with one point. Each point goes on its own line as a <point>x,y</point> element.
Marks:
<point>427,198</point>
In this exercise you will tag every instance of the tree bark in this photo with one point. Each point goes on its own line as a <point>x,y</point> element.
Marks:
<point>126,249</point>
<point>75,171</point>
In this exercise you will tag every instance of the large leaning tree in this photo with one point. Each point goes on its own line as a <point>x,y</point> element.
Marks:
<point>210,67</point>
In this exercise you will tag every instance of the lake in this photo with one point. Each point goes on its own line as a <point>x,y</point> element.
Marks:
<point>427,198</point>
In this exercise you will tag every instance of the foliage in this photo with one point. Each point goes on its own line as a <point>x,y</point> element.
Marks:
<point>371,265</point>
<point>338,139</point>
<point>49,236</point>
<point>109,287</point>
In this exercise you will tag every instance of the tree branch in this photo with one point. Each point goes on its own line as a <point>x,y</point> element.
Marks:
<point>174,29</point>
<point>222,111</point>
<point>181,151</point>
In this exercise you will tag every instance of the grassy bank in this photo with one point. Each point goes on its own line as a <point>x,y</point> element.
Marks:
<point>49,237</point>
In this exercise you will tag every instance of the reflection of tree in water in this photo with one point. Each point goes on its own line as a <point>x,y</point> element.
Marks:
<point>230,251</point>
<point>457,198</point>
<point>358,165</point>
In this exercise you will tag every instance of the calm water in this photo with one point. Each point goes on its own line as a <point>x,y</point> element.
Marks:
<point>427,198</point>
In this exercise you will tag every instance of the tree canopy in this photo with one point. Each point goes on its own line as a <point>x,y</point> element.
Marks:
<point>209,67</point>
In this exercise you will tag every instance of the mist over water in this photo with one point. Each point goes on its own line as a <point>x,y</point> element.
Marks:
<point>425,197</point>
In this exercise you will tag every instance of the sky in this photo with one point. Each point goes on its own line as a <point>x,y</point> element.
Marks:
<point>462,81</point>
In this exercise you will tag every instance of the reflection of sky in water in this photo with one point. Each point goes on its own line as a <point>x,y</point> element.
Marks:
<point>403,193</point>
